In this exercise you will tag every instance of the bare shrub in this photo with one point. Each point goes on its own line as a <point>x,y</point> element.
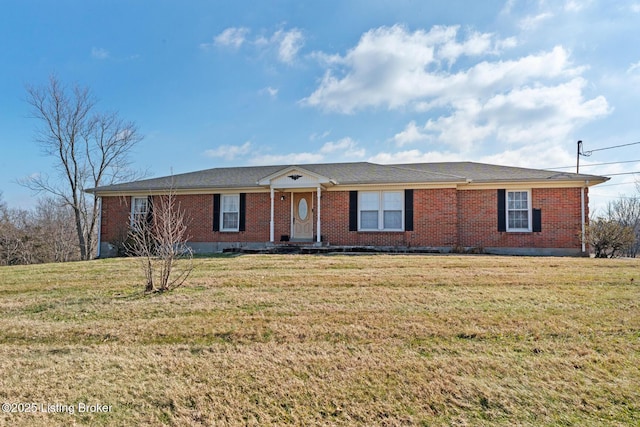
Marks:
<point>159,239</point>
<point>609,238</point>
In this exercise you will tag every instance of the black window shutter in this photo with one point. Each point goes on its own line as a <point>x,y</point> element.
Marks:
<point>502,213</point>
<point>353,211</point>
<point>216,212</point>
<point>536,216</point>
<point>408,210</point>
<point>243,210</point>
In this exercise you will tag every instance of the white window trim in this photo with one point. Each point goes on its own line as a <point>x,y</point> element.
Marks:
<point>529,211</point>
<point>380,212</point>
<point>222,212</point>
<point>132,219</point>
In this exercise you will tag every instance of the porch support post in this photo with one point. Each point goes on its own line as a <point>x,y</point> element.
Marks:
<point>319,236</point>
<point>272,222</point>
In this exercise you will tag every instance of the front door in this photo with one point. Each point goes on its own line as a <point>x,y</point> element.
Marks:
<point>302,216</point>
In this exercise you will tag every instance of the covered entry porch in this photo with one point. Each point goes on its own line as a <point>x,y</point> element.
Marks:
<point>303,189</point>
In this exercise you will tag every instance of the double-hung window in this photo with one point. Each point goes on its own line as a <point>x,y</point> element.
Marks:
<point>381,210</point>
<point>139,209</point>
<point>518,210</point>
<point>230,212</point>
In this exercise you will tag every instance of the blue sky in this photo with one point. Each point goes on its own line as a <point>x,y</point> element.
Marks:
<point>235,83</point>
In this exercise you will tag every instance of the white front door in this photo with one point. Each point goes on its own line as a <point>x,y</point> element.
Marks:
<point>302,216</point>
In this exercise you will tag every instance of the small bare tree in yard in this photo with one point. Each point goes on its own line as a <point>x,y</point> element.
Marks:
<point>159,238</point>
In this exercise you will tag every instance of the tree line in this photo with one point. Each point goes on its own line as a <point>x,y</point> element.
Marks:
<point>42,234</point>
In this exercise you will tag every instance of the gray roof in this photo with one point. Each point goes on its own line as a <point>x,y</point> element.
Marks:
<point>350,174</point>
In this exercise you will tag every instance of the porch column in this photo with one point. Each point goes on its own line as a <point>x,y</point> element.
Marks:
<point>272,222</point>
<point>319,237</point>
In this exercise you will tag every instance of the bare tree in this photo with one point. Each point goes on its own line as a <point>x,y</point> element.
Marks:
<point>3,215</point>
<point>89,149</point>
<point>626,212</point>
<point>160,238</point>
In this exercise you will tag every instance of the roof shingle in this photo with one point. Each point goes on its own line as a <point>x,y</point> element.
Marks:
<point>349,174</point>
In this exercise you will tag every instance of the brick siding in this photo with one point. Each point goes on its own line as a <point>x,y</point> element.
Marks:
<point>561,220</point>
<point>442,218</point>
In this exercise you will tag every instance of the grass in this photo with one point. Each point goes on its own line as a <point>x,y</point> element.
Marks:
<point>326,340</point>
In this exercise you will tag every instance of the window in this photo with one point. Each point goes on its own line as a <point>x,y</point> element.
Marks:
<point>139,209</point>
<point>381,210</point>
<point>518,211</point>
<point>230,212</point>
<point>369,207</point>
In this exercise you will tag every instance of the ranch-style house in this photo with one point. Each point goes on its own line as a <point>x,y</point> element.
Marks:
<point>424,206</point>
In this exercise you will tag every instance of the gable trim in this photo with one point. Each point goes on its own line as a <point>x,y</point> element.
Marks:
<point>295,170</point>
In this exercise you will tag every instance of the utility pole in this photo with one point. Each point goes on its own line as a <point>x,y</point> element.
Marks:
<point>578,157</point>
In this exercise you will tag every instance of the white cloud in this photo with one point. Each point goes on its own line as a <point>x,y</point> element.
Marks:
<point>99,53</point>
<point>341,150</point>
<point>546,156</point>
<point>476,44</point>
<point>286,159</point>
<point>230,152</point>
<point>634,68</point>
<point>410,135</point>
<point>232,37</point>
<point>315,136</point>
<point>285,44</point>
<point>523,115</point>
<point>394,68</point>
<point>415,156</point>
<point>345,147</point>
<point>272,92</point>
<point>506,103</point>
<point>532,22</point>
<point>289,43</point>
<point>576,5</point>
<point>508,7</point>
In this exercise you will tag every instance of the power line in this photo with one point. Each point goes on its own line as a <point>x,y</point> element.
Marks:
<point>623,173</point>
<point>596,164</point>
<point>616,185</point>
<point>583,153</point>
<point>588,153</point>
<point>611,196</point>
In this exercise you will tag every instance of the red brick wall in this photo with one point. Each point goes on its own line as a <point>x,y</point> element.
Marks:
<point>199,211</point>
<point>442,218</point>
<point>477,216</point>
<point>434,221</point>
<point>115,218</point>
<point>199,215</point>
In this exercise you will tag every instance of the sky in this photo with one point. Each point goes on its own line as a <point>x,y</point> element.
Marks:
<point>241,83</point>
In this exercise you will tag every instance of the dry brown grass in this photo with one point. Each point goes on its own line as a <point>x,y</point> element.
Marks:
<point>327,340</point>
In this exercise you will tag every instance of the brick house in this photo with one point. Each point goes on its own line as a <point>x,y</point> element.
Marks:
<point>430,206</point>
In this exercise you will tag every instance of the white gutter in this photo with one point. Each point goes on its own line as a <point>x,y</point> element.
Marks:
<point>583,218</point>
<point>272,221</point>
<point>318,225</point>
<point>99,201</point>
